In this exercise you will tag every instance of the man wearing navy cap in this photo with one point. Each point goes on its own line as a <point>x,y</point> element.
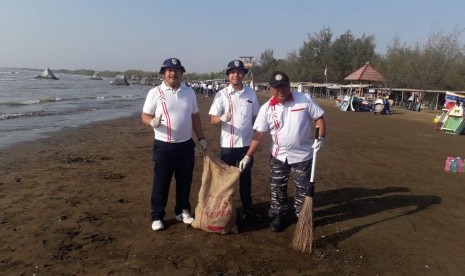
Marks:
<point>235,108</point>
<point>288,116</point>
<point>171,110</point>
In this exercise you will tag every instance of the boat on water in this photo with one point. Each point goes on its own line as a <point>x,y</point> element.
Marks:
<point>46,74</point>
<point>120,80</point>
<point>96,76</point>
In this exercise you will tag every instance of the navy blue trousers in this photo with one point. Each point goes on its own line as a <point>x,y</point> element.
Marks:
<point>232,156</point>
<point>170,159</point>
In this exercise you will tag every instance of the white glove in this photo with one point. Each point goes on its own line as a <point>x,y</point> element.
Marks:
<point>203,144</point>
<point>226,117</point>
<point>318,144</point>
<point>155,122</point>
<point>243,163</point>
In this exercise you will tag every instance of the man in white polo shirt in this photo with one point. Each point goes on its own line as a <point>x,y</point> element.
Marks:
<point>171,110</point>
<point>235,108</point>
<point>288,116</point>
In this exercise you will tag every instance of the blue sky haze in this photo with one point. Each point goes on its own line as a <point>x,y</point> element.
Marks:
<point>204,34</point>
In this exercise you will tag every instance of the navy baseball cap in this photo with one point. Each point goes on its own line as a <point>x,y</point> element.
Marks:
<point>172,63</point>
<point>279,78</point>
<point>236,64</point>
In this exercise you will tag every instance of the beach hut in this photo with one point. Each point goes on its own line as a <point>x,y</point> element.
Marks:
<point>366,73</point>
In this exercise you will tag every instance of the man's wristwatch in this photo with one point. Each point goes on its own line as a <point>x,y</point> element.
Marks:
<point>201,138</point>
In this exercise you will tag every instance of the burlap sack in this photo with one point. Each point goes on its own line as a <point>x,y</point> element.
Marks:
<point>215,210</point>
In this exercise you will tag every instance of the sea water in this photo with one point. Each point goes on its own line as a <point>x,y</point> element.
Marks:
<point>32,108</point>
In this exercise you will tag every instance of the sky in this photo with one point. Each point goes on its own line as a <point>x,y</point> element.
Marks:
<point>119,35</point>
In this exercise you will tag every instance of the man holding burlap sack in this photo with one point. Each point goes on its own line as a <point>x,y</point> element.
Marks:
<point>235,108</point>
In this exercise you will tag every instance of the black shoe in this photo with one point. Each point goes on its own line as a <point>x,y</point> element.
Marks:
<point>276,223</point>
<point>250,213</point>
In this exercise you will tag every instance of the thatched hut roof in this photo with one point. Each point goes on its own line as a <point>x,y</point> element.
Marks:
<point>366,73</point>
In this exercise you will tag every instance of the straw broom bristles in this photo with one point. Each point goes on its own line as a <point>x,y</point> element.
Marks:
<point>303,234</point>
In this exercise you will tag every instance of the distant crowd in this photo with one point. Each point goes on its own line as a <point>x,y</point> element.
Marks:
<point>207,88</point>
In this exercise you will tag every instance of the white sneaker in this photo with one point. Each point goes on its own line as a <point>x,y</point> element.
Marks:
<point>185,217</point>
<point>157,225</point>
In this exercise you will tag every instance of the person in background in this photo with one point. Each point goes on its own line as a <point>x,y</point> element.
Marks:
<point>204,89</point>
<point>217,87</point>
<point>209,90</point>
<point>171,110</point>
<point>288,116</point>
<point>235,108</point>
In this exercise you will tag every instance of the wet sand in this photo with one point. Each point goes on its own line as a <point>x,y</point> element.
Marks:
<point>77,203</point>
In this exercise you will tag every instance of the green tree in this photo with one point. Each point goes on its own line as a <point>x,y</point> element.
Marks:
<point>349,53</point>
<point>437,64</point>
<point>341,57</point>
<point>267,64</point>
<point>315,56</point>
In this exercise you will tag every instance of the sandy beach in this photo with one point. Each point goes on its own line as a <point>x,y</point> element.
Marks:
<point>77,203</point>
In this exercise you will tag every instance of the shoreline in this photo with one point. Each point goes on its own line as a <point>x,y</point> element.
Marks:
<point>32,135</point>
<point>326,103</point>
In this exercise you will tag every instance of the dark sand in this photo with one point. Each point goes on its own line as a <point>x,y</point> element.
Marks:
<point>77,203</point>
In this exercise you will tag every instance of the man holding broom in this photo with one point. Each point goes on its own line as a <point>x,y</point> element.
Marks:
<point>288,116</point>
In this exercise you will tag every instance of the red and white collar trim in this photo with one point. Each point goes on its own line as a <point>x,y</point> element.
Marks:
<point>274,101</point>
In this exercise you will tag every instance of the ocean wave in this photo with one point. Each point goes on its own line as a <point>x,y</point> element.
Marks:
<point>18,115</point>
<point>10,116</point>
<point>19,102</point>
<point>31,102</point>
<point>124,97</point>
<point>42,113</point>
<point>116,105</point>
<point>8,72</point>
<point>16,103</point>
<point>48,100</point>
<point>98,98</point>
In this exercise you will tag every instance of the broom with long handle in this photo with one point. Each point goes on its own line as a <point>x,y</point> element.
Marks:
<point>303,235</point>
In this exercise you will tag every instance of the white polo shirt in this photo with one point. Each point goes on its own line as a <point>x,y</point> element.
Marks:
<point>176,108</point>
<point>290,126</point>
<point>242,105</point>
